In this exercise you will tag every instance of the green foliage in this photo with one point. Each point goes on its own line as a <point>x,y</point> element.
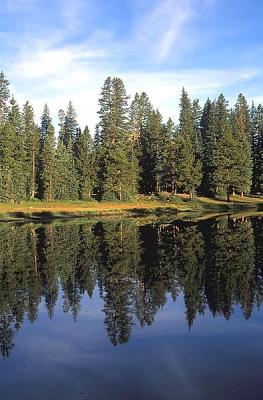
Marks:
<point>65,174</point>
<point>257,148</point>
<point>4,97</point>
<point>86,164</point>
<point>226,163</point>
<point>32,141</point>
<point>118,167</point>
<point>46,185</point>
<point>212,151</point>
<point>241,131</point>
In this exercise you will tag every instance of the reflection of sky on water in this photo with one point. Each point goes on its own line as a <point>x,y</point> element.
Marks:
<point>63,359</point>
<point>217,264</point>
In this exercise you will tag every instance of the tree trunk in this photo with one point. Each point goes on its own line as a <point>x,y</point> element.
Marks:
<point>228,195</point>
<point>242,194</point>
<point>32,195</point>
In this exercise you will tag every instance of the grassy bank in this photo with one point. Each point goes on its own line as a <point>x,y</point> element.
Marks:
<point>37,210</point>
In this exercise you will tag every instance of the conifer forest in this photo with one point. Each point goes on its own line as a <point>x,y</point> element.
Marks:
<point>214,150</point>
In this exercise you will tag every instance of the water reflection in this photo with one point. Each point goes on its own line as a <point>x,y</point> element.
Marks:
<point>216,264</point>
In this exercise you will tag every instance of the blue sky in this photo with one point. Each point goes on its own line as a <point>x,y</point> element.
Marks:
<point>59,50</point>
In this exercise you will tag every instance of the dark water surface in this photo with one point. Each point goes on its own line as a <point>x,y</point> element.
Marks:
<point>122,310</point>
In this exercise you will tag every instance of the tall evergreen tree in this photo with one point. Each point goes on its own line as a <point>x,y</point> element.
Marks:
<point>4,97</point>
<point>241,131</point>
<point>65,180</point>
<point>257,147</point>
<point>47,157</point>
<point>116,169</point>
<point>151,153</point>
<point>86,164</point>
<point>226,159</point>
<point>189,168</point>
<point>19,155</point>
<point>32,140</point>
<point>7,145</point>
<point>69,130</point>
<point>168,157</point>
<point>208,132</point>
<point>139,114</point>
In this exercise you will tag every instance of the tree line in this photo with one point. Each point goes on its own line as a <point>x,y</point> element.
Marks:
<point>214,150</point>
<point>215,265</point>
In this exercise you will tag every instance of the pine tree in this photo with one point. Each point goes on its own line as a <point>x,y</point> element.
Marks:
<point>197,137</point>
<point>151,153</point>
<point>45,124</point>
<point>220,129</point>
<point>189,168</point>
<point>70,126</point>
<point>47,157</point>
<point>19,154</point>
<point>139,114</point>
<point>189,171</point>
<point>222,116</point>
<point>32,140</point>
<point>242,133</point>
<point>226,160</point>
<point>168,157</point>
<point>257,148</point>
<point>86,164</point>
<point>116,168</point>
<point>7,145</point>
<point>4,97</point>
<point>65,186</point>
<point>208,132</point>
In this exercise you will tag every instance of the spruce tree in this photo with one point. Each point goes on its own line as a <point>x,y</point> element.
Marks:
<point>226,160</point>
<point>32,140</point>
<point>7,145</point>
<point>151,153</point>
<point>242,133</point>
<point>86,164</point>
<point>19,154</point>
<point>4,97</point>
<point>70,126</point>
<point>221,129</point>
<point>139,114</point>
<point>116,168</point>
<point>256,116</point>
<point>189,168</point>
<point>189,171</point>
<point>208,132</point>
<point>47,157</point>
<point>197,136</point>
<point>65,178</point>
<point>168,159</point>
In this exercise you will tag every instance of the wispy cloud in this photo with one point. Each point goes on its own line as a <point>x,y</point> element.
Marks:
<point>77,73</point>
<point>54,68</point>
<point>164,28</point>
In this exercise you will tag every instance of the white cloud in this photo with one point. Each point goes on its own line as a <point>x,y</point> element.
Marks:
<point>77,73</point>
<point>160,28</point>
<point>163,28</point>
<point>45,70</point>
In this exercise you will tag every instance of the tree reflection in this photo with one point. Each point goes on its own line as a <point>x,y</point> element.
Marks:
<point>215,264</point>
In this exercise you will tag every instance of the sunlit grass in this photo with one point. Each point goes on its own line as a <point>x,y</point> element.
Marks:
<point>53,209</point>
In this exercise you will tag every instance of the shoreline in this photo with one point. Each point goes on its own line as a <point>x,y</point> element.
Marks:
<point>48,211</point>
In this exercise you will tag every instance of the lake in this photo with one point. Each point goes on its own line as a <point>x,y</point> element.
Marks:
<point>132,309</point>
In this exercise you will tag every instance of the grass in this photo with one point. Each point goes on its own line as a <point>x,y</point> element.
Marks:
<point>37,210</point>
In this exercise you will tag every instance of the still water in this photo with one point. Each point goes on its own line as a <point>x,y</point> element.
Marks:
<point>130,310</point>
